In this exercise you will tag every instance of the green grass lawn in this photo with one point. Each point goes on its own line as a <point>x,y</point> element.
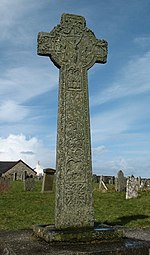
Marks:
<point>112,208</point>
<point>21,210</point>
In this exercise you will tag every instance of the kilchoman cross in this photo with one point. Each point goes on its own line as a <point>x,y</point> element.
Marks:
<point>73,48</point>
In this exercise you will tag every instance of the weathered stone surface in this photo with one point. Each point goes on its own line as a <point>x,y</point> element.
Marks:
<point>74,49</point>
<point>5,184</point>
<point>48,180</point>
<point>22,242</point>
<point>52,235</point>
<point>132,187</point>
<point>120,182</point>
<point>8,251</point>
<point>29,184</point>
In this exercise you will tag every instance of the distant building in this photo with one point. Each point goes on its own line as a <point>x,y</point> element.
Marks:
<point>16,170</point>
<point>38,169</point>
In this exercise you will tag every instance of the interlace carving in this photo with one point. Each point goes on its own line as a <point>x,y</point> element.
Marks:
<point>74,49</point>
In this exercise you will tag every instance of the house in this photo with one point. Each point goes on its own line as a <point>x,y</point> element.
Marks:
<point>16,170</point>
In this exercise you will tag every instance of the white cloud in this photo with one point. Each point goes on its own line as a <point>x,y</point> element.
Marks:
<point>138,167</point>
<point>119,144</point>
<point>15,16</point>
<point>98,150</point>
<point>124,119</point>
<point>31,150</point>
<point>111,123</point>
<point>8,16</point>
<point>23,83</point>
<point>10,11</point>
<point>134,79</point>
<point>107,167</point>
<point>143,41</point>
<point>12,112</point>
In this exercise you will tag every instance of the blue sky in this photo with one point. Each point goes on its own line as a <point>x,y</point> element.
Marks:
<point>119,91</point>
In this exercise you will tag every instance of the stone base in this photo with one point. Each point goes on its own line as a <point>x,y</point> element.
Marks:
<point>99,241</point>
<point>51,235</point>
<point>102,240</point>
<point>23,242</point>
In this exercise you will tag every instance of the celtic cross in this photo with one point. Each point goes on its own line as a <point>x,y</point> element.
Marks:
<point>73,48</point>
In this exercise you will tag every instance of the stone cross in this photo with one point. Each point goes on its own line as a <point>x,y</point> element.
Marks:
<point>73,48</point>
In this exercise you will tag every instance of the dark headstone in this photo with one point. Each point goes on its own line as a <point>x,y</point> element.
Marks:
<point>48,180</point>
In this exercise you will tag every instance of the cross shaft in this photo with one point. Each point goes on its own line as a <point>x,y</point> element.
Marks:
<point>74,49</point>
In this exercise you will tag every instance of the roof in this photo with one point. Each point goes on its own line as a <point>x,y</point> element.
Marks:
<point>6,165</point>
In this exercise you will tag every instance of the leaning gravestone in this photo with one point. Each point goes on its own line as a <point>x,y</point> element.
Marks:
<point>120,182</point>
<point>132,187</point>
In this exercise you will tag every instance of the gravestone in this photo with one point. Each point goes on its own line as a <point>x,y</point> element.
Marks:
<point>102,185</point>
<point>132,187</point>
<point>120,182</point>
<point>73,48</point>
<point>29,184</point>
<point>5,184</point>
<point>142,185</point>
<point>139,180</point>
<point>48,180</point>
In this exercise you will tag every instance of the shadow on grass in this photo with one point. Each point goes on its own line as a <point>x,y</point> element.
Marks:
<point>128,218</point>
<point>124,220</point>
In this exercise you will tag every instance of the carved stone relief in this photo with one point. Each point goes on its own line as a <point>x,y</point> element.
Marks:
<point>74,49</point>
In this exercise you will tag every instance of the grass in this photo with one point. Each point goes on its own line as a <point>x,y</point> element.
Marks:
<point>112,208</point>
<point>21,210</point>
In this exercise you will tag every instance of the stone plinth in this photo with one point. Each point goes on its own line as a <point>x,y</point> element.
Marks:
<point>22,242</point>
<point>52,235</point>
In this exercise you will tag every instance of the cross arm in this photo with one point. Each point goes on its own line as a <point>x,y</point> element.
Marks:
<point>44,44</point>
<point>102,50</point>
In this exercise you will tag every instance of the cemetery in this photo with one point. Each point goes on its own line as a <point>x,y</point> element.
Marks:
<point>66,213</point>
<point>21,209</point>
